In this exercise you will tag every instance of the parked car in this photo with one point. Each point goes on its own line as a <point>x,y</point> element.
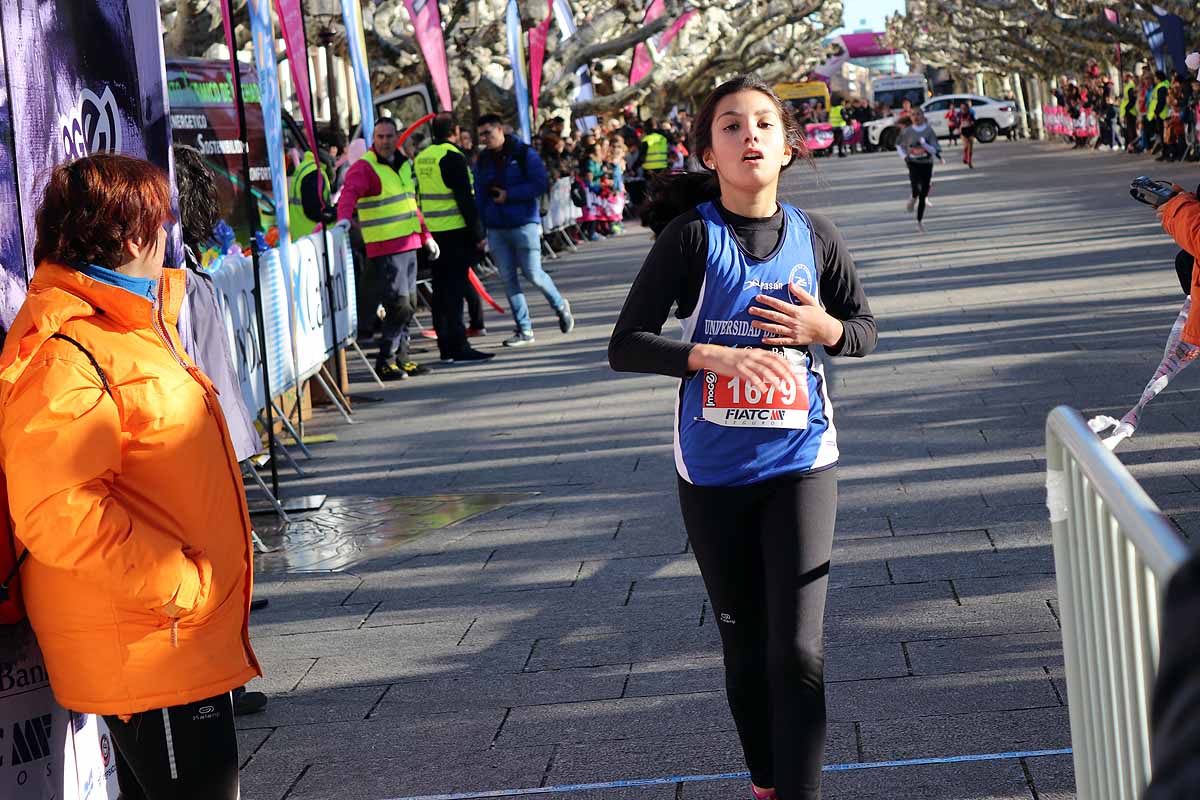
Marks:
<point>992,118</point>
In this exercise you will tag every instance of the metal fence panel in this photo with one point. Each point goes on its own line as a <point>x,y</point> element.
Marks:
<point>1113,550</point>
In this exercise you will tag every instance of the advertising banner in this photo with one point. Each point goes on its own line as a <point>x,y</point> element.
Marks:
<point>516,56</point>
<point>312,331</point>
<point>642,63</point>
<point>583,78</point>
<point>204,115</point>
<point>291,22</point>
<point>48,752</point>
<point>427,25</point>
<point>233,277</point>
<point>352,17</point>
<point>89,80</point>
<point>537,57</point>
<point>12,249</point>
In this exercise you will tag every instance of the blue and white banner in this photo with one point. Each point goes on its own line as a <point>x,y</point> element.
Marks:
<point>583,78</point>
<point>352,18</point>
<point>516,55</point>
<point>306,332</point>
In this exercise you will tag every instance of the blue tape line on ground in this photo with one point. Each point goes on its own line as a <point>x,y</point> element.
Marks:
<point>584,787</point>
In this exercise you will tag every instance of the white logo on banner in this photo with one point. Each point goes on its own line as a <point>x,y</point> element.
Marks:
<point>94,125</point>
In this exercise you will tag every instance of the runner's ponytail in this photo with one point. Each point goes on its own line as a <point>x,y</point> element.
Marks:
<point>675,194</point>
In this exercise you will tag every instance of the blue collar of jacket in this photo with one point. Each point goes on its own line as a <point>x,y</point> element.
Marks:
<point>142,287</point>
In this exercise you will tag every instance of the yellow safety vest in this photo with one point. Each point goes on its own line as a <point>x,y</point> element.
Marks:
<point>392,213</point>
<point>656,151</point>
<point>835,116</point>
<point>438,205</point>
<point>1128,93</point>
<point>1152,109</point>
<point>298,222</point>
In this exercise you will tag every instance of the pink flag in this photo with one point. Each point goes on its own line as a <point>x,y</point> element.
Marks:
<point>675,28</point>
<point>427,22</point>
<point>641,54</point>
<point>291,20</point>
<point>537,56</point>
<point>1110,15</point>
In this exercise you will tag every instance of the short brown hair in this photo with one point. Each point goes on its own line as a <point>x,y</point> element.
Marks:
<point>94,205</point>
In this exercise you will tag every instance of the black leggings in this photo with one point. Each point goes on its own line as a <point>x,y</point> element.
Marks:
<point>194,757</point>
<point>764,553</point>
<point>920,175</point>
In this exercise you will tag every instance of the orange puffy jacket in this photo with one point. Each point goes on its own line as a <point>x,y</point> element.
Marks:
<point>1181,220</point>
<point>139,573</point>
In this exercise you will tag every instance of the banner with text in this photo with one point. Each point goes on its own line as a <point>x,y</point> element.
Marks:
<point>81,78</point>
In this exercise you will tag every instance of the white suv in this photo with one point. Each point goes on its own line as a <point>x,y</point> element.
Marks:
<point>992,118</point>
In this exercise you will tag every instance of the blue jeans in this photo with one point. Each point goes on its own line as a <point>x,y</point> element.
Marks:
<point>516,249</point>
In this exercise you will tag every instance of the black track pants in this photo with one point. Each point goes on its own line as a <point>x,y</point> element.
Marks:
<point>179,753</point>
<point>920,175</point>
<point>764,553</point>
<point>450,288</point>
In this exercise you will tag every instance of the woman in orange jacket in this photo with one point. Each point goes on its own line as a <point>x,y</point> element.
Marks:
<point>124,489</point>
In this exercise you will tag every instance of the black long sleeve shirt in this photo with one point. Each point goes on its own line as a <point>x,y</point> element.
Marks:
<point>673,274</point>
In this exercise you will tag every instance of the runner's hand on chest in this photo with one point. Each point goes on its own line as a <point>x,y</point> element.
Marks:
<point>794,324</point>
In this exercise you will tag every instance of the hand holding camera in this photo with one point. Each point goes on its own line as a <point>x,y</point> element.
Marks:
<point>1151,192</point>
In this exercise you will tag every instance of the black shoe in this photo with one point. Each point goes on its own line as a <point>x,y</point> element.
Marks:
<point>259,605</point>
<point>390,371</point>
<point>413,368</point>
<point>472,355</point>
<point>248,702</point>
<point>566,321</point>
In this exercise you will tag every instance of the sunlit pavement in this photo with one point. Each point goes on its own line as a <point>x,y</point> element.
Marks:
<point>563,638</point>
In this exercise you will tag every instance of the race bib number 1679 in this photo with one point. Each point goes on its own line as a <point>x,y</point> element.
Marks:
<point>736,403</point>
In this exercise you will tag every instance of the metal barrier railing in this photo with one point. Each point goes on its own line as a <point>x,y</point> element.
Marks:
<point>1113,553</point>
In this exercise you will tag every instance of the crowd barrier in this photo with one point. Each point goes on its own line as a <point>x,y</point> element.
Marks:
<point>561,215</point>
<point>1059,122</point>
<point>300,326</point>
<point>1113,554</point>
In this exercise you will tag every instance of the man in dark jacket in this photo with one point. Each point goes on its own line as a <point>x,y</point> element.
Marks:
<point>509,181</point>
<point>447,200</point>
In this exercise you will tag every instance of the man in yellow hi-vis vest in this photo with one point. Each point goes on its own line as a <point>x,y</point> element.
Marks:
<point>1129,111</point>
<point>306,206</point>
<point>1157,109</point>
<point>380,188</point>
<point>652,153</point>
<point>837,121</point>
<point>445,191</point>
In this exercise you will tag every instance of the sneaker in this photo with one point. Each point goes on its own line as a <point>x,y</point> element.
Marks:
<point>921,227</point>
<point>519,338</point>
<point>910,205</point>
<point>566,322</point>
<point>472,332</point>
<point>248,702</point>
<point>413,368</point>
<point>428,333</point>
<point>390,371</point>
<point>446,359</point>
<point>470,355</point>
<point>594,237</point>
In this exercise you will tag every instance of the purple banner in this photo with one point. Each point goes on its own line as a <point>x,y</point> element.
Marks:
<point>90,80</point>
<point>12,250</point>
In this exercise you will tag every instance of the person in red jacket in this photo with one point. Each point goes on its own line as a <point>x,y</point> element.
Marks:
<point>381,189</point>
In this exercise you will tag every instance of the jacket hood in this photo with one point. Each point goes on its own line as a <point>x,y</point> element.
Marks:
<point>59,295</point>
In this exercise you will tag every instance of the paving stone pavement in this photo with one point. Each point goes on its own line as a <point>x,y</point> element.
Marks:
<point>565,638</point>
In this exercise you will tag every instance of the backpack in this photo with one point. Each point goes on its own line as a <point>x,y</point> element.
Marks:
<point>523,164</point>
<point>12,609</point>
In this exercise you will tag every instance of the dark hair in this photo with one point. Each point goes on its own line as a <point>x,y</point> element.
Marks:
<point>489,119</point>
<point>1158,73</point>
<point>387,121</point>
<point>198,210</point>
<point>442,125</point>
<point>93,206</point>
<point>672,195</point>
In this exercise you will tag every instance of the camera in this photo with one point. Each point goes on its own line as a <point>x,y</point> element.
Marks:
<point>1151,192</point>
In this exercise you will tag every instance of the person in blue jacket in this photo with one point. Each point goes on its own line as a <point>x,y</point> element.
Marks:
<point>509,180</point>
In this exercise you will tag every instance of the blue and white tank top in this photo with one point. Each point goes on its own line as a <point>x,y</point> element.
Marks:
<point>726,432</point>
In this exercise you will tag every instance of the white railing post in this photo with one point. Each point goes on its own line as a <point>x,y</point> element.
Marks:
<point>1113,550</point>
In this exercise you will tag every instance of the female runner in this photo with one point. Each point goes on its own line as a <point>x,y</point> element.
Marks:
<point>757,284</point>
